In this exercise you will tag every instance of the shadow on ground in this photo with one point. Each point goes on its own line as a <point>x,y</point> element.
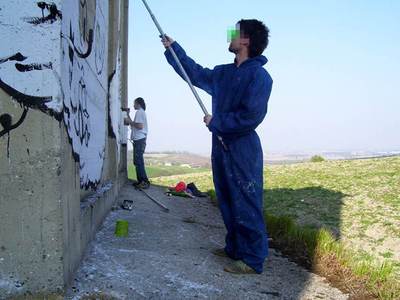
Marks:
<point>312,206</point>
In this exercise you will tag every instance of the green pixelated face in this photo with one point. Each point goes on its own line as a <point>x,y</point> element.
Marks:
<point>232,34</point>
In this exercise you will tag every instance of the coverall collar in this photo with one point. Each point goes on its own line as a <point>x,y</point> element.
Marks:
<point>257,60</point>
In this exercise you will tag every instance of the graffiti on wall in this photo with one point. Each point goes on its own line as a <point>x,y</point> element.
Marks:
<point>29,61</point>
<point>51,9</point>
<point>84,83</point>
<point>116,126</point>
<point>115,97</point>
<point>6,120</point>
<point>30,68</point>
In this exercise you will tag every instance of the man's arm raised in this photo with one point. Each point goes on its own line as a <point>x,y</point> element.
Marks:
<point>200,77</point>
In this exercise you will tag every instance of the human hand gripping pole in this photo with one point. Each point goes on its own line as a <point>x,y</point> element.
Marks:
<point>185,76</point>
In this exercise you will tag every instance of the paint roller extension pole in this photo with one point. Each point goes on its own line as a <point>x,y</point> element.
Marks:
<point>185,76</point>
<point>166,209</point>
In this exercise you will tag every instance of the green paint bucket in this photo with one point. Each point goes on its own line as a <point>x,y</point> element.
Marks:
<point>121,228</point>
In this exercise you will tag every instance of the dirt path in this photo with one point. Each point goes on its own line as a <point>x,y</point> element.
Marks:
<point>167,256</point>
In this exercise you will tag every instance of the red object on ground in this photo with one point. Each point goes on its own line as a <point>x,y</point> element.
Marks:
<point>180,187</point>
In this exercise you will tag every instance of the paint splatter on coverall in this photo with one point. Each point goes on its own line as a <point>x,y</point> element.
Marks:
<point>239,104</point>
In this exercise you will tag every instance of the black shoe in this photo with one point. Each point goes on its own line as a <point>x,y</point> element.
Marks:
<point>144,185</point>
<point>195,191</point>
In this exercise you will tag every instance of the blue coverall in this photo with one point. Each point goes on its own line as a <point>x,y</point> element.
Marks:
<point>239,104</point>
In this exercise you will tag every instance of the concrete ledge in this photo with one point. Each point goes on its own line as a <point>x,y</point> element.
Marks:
<point>94,209</point>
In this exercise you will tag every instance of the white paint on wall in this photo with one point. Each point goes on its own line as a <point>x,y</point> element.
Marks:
<point>84,83</point>
<point>116,114</point>
<point>38,43</point>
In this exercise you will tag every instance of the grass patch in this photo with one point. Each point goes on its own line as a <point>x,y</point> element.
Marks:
<point>158,171</point>
<point>317,158</point>
<point>213,197</point>
<point>317,249</point>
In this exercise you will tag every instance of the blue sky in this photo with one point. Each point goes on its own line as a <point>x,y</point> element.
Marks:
<point>335,65</point>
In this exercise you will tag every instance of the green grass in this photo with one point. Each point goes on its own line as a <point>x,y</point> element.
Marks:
<point>317,158</point>
<point>319,249</point>
<point>157,171</point>
<point>355,203</point>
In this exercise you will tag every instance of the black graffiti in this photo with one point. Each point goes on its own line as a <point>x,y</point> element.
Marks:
<point>53,15</point>
<point>34,66</point>
<point>66,111</point>
<point>100,48</point>
<point>25,100</point>
<point>84,21</point>
<point>90,46</point>
<point>16,57</point>
<point>82,43</point>
<point>72,47</point>
<point>111,132</point>
<point>81,123</point>
<point>29,101</point>
<point>6,122</point>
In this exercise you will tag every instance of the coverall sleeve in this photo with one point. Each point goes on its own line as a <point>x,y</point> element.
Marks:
<point>199,76</point>
<point>251,111</point>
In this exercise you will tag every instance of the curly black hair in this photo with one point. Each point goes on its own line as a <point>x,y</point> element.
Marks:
<point>258,34</point>
<point>141,102</point>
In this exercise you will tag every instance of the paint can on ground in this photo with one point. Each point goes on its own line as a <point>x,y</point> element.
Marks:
<point>121,228</point>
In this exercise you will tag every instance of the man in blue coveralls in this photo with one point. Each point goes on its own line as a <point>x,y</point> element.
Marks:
<point>240,93</point>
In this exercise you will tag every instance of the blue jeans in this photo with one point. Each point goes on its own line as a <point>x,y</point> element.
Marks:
<point>138,150</point>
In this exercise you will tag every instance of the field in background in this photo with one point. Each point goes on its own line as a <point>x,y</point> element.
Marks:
<point>357,200</point>
<point>157,171</point>
<point>174,158</point>
<point>170,163</point>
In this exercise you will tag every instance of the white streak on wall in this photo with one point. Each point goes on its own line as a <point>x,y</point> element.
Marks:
<point>116,113</point>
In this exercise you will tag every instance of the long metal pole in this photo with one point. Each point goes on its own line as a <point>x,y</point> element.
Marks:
<point>155,201</point>
<point>185,76</point>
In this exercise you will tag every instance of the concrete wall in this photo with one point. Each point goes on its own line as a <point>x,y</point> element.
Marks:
<point>62,145</point>
<point>30,204</point>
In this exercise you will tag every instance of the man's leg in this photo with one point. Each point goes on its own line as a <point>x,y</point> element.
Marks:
<point>136,160</point>
<point>223,196</point>
<point>245,181</point>
<point>140,161</point>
